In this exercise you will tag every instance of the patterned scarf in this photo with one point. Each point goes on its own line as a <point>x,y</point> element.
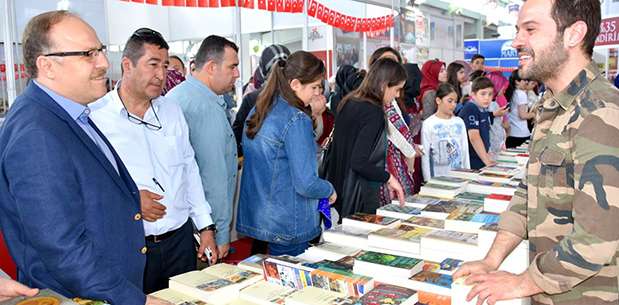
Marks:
<point>396,161</point>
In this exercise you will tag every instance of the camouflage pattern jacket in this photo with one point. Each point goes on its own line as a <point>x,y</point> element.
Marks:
<point>568,204</point>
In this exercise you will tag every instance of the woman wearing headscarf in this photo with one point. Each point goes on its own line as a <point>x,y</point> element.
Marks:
<point>270,56</point>
<point>434,73</point>
<point>341,88</point>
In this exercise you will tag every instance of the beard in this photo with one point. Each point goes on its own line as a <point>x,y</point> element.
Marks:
<point>547,64</point>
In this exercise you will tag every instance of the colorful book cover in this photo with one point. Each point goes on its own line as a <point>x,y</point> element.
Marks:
<point>423,200</point>
<point>494,227</point>
<point>214,285</point>
<point>450,264</point>
<point>471,197</point>
<point>389,260</point>
<point>438,279</point>
<point>500,197</point>
<point>485,218</point>
<point>441,187</point>
<point>467,238</point>
<point>371,218</point>
<point>442,207</point>
<point>426,222</point>
<point>465,212</point>
<point>449,179</point>
<point>387,294</point>
<point>404,232</point>
<point>401,209</point>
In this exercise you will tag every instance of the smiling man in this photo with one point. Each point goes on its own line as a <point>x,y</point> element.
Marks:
<point>568,205</point>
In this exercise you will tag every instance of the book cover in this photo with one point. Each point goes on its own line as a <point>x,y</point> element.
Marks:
<point>403,232</point>
<point>44,297</point>
<point>437,279</point>
<point>401,209</point>
<point>317,296</point>
<point>373,219</point>
<point>426,222</point>
<point>422,200</point>
<point>342,230</point>
<point>448,179</point>
<point>499,197</point>
<point>485,218</point>
<point>428,298</point>
<point>454,236</point>
<point>493,227</point>
<point>442,207</point>
<point>471,197</point>
<point>465,212</point>
<point>450,264</point>
<point>389,294</point>
<point>389,260</point>
<point>177,298</point>
<point>263,292</point>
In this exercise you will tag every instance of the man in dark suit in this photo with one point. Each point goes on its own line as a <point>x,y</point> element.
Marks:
<point>69,210</point>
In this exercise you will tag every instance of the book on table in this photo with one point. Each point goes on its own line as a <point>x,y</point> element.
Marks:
<point>483,187</point>
<point>379,265</point>
<point>498,178</point>
<point>497,203</point>
<point>465,173</point>
<point>385,294</point>
<point>253,263</point>
<point>369,221</point>
<point>317,296</point>
<point>449,181</point>
<point>426,222</point>
<point>347,236</point>
<point>339,277</point>
<point>404,238</point>
<point>450,241</point>
<point>264,293</point>
<point>217,284</point>
<point>428,298</point>
<point>469,197</point>
<point>418,201</point>
<point>459,291</point>
<point>440,191</point>
<point>44,297</point>
<point>287,271</point>
<point>177,298</point>
<point>500,170</point>
<point>430,281</point>
<point>397,211</point>
<point>441,210</point>
<point>461,219</point>
<point>331,251</point>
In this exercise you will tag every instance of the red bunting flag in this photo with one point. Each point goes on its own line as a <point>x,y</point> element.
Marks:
<point>332,17</point>
<point>152,2</point>
<point>279,5</point>
<point>389,22</point>
<point>189,3</point>
<point>262,4</point>
<point>319,11</point>
<point>138,1</point>
<point>325,15</point>
<point>271,5</point>
<point>228,3</point>
<point>246,3</point>
<point>178,2</point>
<point>300,6</point>
<point>288,6</point>
<point>167,2</point>
<point>213,3</point>
<point>312,8</point>
<point>337,21</point>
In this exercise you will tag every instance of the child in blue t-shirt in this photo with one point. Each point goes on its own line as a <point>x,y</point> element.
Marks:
<point>478,120</point>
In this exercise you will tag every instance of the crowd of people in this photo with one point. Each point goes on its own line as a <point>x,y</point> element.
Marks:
<point>101,192</point>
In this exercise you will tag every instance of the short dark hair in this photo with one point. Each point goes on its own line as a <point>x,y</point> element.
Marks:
<point>380,51</point>
<point>444,89</point>
<point>477,56</point>
<point>481,83</point>
<point>179,59</point>
<point>134,48</point>
<point>213,48</point>
<point>36,40</point>
<point>567,12</point>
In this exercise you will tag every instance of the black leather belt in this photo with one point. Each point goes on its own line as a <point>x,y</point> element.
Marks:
<point>162,237</point>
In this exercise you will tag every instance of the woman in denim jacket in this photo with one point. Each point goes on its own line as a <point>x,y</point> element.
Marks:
<point>280,187</point>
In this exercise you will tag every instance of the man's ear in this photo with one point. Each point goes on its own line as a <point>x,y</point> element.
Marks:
<point>45,67</point>
<point>575,34</point>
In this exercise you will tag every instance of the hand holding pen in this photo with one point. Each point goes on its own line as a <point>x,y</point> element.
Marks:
<point>152,209</point>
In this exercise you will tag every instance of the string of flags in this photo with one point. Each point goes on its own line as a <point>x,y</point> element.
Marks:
<point>315,9</point>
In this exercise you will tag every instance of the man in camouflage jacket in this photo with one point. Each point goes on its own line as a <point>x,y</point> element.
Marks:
<point>568,205</point>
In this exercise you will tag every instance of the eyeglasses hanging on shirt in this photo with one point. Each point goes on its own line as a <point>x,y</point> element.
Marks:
<point>136,120</point>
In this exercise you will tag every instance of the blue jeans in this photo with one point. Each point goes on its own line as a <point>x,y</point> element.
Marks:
<point>292,250</point>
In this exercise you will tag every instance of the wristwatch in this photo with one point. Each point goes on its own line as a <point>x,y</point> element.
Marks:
<point>210,227</point>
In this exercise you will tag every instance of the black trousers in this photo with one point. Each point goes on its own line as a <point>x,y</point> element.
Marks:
<point>513,142</point>
<point>172,256</point>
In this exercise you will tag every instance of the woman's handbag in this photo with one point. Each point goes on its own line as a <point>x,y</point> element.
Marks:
<point>324,156</point>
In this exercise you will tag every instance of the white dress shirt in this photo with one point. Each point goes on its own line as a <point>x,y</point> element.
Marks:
<point>165,155</point>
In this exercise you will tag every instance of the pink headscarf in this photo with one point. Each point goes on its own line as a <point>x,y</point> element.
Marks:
<point>500,85</point>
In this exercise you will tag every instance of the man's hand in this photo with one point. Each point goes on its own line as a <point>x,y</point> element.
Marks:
<point>207,240</point>
<point>151,300</point>
<point>223,250</point>
<point>10,289</point>
<point>476,267</point>
<point>500,285</point>
<point>151,208</point>
<point>500,112</point>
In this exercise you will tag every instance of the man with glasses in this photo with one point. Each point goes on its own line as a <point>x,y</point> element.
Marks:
<point>69,210</point>
<point>151,136</point>
<point>201,98</point>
